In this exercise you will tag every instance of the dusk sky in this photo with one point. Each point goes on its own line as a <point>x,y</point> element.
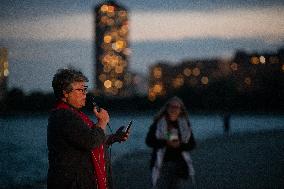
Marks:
<point>42,36</point>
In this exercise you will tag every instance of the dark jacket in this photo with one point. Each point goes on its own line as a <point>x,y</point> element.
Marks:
<point>153,142</point>
<point>69,142</point>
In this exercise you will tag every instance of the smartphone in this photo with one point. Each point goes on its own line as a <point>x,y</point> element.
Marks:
<point>128,126</point>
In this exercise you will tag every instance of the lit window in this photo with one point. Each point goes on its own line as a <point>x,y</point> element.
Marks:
<point>106,59</point>
<point>107,84</point>
<point>187,72</point>
<point>107,39</point>
<point>118,84</point>
<point>157,72</point>
<point>110,8</point>
<point>204,80</point>
<point>262,59</point>
<point>234,66</point>
<point>118,69</point>
<point>114,61</point>
<point>157,88</point>
<point>178,81</point>
<point>119,44</point>
<point>254,60</point>
<point>104,8</point>
<point>6,72</point>
<point>196,71</point>
<point>151,94</point>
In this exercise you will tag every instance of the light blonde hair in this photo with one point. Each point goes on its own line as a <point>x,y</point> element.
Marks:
<point>163,111</point>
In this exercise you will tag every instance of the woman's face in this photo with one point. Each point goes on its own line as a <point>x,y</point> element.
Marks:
<point>174,109</point>
<point>77,97</point>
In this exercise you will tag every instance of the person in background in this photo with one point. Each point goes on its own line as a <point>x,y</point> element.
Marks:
<point>77,146</point>
<point>171,138</point>
<point>226,120</point>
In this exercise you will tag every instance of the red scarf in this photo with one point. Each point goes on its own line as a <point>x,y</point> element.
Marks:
<point>98,153</point>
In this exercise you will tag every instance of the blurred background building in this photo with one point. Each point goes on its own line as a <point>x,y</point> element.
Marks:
<point>112,77</point>
<point>258,75</point>
<point>255,72</point>
<point>4,72</point>
<point>167,79</point>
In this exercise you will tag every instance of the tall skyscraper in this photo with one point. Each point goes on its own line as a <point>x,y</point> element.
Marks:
<point>4,72</point>
<point>111,50</point>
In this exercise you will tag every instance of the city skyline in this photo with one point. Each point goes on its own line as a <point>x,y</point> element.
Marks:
<point>33,32</point>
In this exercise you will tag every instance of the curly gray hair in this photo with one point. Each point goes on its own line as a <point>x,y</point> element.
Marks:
<point>63,79</point>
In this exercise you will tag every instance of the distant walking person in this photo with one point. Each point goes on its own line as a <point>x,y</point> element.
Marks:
<point>227,117</point>
<point>77,146</point>
<point>172,139</point>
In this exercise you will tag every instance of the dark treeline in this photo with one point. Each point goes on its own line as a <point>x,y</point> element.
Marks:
<point>217,97</point>
<point>16,101</point>
<point>223,96</point>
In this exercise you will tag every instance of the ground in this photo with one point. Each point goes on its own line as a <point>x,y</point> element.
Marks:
<point>251,160</point>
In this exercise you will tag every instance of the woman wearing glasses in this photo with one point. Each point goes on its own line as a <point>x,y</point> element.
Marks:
<point>171,138</point>
<point>77,145</point>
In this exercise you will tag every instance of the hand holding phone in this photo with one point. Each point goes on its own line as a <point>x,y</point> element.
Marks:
<point>128,127</point>
<point>122,133</point>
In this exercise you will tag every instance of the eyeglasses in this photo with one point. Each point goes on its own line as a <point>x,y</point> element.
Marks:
<point>84,90</point>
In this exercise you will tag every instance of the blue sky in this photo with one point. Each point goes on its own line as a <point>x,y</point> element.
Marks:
<point>43,36</point>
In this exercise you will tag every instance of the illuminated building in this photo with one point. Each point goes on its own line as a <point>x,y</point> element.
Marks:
<point>166,79</point>
<point>4,72</point>
<point>258,71</point>
<point>161,80</point>
<point>254,75</point>
<point>111,50</point>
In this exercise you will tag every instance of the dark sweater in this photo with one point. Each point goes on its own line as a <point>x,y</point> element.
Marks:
<point>173,154</point>
<point>69,142</point>
<point>153,142</point>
